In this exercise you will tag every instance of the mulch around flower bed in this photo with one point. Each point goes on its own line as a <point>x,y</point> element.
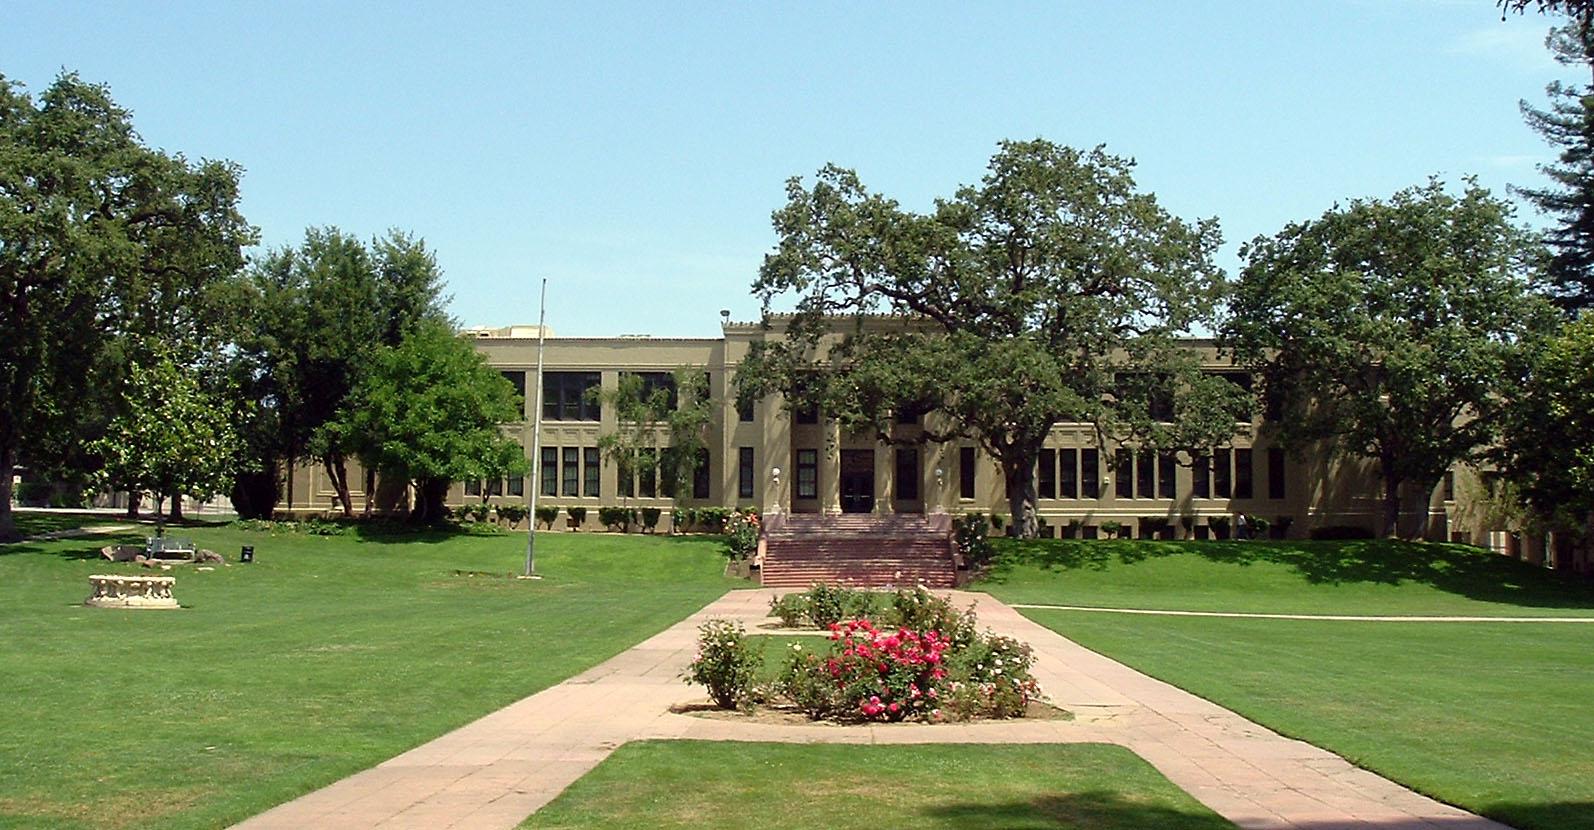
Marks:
<point>783,714</point>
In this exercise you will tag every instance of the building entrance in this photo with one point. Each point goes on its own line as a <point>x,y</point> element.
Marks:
<point>857,481</point>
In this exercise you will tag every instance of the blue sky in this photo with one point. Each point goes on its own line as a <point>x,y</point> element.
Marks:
<point>632,153</point>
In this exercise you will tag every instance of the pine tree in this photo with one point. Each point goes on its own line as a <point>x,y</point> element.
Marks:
<point>1568,124</point>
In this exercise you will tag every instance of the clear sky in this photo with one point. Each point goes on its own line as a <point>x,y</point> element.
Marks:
<point>632,153</point>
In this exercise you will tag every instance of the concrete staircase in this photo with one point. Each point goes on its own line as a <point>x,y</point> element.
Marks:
<point>858,549</point>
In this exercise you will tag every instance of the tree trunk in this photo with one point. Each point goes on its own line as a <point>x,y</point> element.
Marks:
<point>8,523</point>
<point>1021,495</point>
<point>1391,501</point>
<point>429,496</point>
<point>370,489</point>
<point>160,516</point>
<point>134,499</point>
<point>177,507</point>
<point>1561,550</point>
<point>338,473</point>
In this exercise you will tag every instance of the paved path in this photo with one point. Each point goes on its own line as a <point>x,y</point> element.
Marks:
<point>1331,617</point>
<point>76,532</point>
<point>500,769</point>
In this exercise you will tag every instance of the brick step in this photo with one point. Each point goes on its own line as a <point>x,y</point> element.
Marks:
<point>941,580</point>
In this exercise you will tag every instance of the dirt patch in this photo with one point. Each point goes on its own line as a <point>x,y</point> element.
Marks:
<point>785,714</point>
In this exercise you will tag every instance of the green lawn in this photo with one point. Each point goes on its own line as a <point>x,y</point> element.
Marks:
<point>1362,577</point>
<point>657,784</point>
<point>32,523</point>
<point>1493,717</point>
<point>326,656</point>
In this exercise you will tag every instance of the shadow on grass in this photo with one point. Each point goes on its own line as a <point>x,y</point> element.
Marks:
<point>1096,810</point>
<point>76,549</point>
<point>1456,569</point>
<point>1561,815</point>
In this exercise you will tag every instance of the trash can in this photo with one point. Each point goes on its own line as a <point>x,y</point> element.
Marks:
<point>247,554</point>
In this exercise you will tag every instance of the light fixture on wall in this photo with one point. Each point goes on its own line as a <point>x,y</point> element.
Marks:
<point>774,476</point>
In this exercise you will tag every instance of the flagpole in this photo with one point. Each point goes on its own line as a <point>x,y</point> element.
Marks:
<point>536,443</point>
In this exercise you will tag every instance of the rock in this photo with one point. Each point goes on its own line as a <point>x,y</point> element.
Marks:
<point>207,556</point>
<point>121,553</point>
<point>205,568</point>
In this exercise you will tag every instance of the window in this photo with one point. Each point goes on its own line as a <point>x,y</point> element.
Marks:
<point>517,379</point>
<point>1146,478</point>
<point>1450,485</point>
<point>495,487</point>
<point>566,396</point>
<point>592,465</point>
<point>965,472</point>
<point>1220,474</point>
<point>647,480</point>
<point>807,474</point>
<point>1046,476</point>
<point>550,471</point>
<point>1242,474</point>
<point>1124,470</point>
<point>807,414</point>
<point>908,473</point>
<point>700,482</point>
<point>473,487</point>
<point>1068,480</point>
<point>911,413</point>
<point>1244,381</point>
<point>517,485</point>
<point>1090,473</point>
<point>744,472</point>
<point>1201,477</point>
<point>744,408</point>
<point>653,382</point>
<point>627,480</point>
<point>572,472</point>
<point>1275,473</point>
<point>1167,471</point>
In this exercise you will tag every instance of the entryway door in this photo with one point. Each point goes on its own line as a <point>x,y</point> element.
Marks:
<point>857,481</point>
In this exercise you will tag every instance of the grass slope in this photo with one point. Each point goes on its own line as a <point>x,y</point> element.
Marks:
<point>728,786</point>
<point>326,656</point>
<point>1493,717</point>
<point>1362,577</point>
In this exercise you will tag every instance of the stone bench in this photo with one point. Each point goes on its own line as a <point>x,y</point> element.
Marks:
<point>118,591</point>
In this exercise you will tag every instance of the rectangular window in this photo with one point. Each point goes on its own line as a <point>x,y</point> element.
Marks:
<point>1242,474</point>
<point>1450,485</point>
<point>1220,474</point>
<point>1244,381</point>
<point>592,466</point>
<point>517,379</point>
<point>495,487</point>
<point>517,485</point>
<point>1146,474</point>
<point>1167,472</point>
<point>1275,473</point>
<point>807,474</point>
<point>744,472</point>
<point>572,480</point>
<point>567,396</point>
<point>1090,473</point>
<point>1068,474</point>
<point>700,482</point>
<point>550,471</point>
<point>744,408</point>
<point>473,487</point>
<point>653,382</point>
<point>1201,477</point>
<point>808,414</point>
<point>965,472</point>
<point>1046,475</point>
<point>910,413</point>
<point>647,480</point>
<point>908,473</point>
<point>627,480</point>
<point>1124,471</point>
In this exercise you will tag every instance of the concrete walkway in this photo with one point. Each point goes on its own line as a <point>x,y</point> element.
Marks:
<point>500,769</point>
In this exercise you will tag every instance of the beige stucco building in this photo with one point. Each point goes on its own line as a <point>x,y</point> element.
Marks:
<point>774,459</point>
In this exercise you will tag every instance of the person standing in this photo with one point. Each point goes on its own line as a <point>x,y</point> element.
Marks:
<point>1242,527</point>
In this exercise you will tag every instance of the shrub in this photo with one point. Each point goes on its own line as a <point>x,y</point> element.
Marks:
<point>998,521</point>
<point>322,527</point>
<point>741,535</point>
<point>807,682</point>
<point>546,515</point>
<point>921,610</point>
<point>479,512</point>
<point>512,513</point>
<point>1112,528</point>
<point>713,519</point>
<point>1259,527</point>
<point>616,518</point>
<point>970,531</point>
<point>1220,526</point>
<point>990,678</point>
<point>1341,532</point>
<point>789,608</point>
<point>1281,527</point>
<point>682,518</point>
<point>725,663</point>
<point>650,518</point>
<point>885,675</point>
<point>1188,523</point>
<point>1074,526</point>
<point>577,515</point>
<point>828,604</point>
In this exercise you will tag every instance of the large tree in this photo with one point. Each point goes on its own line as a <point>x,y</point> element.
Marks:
<point>660,429</point>
<point>104,243</point>
<point>171,438</point>
<point>1053,291</point>
<point>431,411</point>
<point>1388,328</point>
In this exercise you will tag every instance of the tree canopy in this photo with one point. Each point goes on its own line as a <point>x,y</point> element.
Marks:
<point>1388,328</point>
<point>1050,292</point>
<point>431,411</point>
<point>107,243</point>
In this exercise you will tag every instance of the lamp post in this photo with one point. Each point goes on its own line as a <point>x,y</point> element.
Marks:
<point>940,490</point>
<point>774,474</point>
<point>536,442</point>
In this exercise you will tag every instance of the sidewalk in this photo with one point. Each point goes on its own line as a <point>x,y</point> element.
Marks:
<point>498,770</point>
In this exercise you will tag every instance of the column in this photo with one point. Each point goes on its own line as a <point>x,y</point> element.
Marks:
<point>830,469</point>
<point>885,478</point>
<point>774,453</point>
